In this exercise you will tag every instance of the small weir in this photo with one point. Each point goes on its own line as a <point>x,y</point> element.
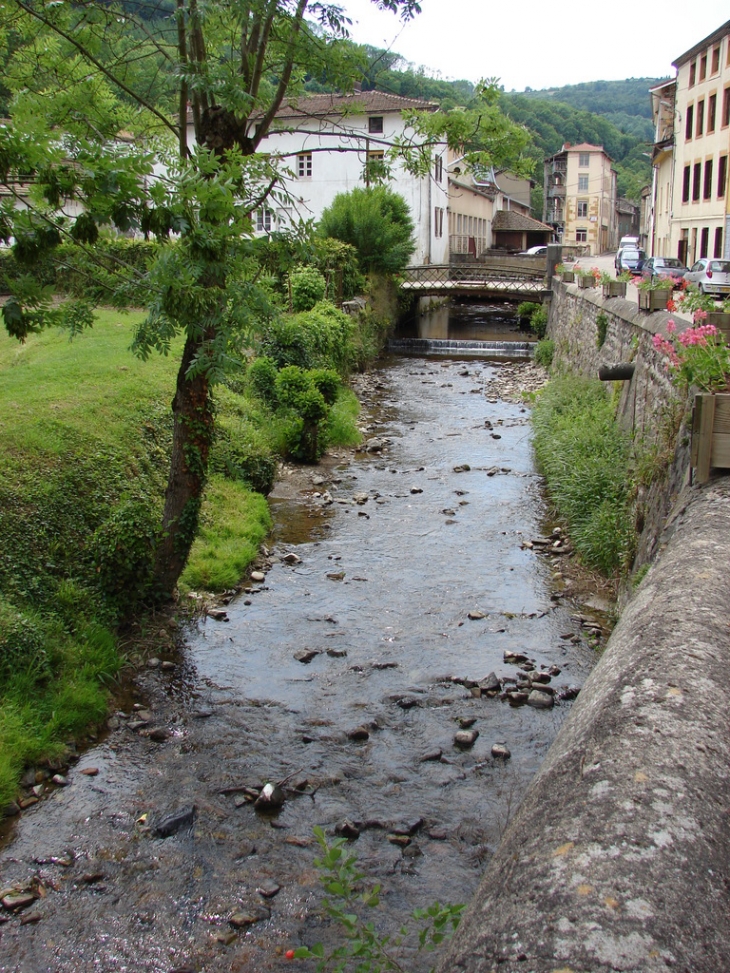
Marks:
<point>479,349</point>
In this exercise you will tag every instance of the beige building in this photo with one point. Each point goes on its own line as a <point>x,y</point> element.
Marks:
<point>698,203</point>
<point>659,242</point>
<point>580,197</point>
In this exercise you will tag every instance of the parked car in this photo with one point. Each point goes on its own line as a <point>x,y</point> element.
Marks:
<point>663,267</point>
<point>710,275</point>
<point>540,251</point>
<point>629,241</point>
<point>629,258</point>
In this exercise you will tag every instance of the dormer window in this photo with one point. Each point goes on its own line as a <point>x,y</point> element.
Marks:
<point>375,124</point>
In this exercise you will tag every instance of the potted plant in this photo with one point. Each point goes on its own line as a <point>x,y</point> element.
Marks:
<point>566,275</point>
<point>588,278</point>
<point>611,287</point>
<point>699,358</point>
<point>655,293</point>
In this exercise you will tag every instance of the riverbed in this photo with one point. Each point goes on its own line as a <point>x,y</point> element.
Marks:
<point>401,578</point>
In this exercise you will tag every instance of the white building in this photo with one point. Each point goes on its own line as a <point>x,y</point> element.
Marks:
<point>332,143</point>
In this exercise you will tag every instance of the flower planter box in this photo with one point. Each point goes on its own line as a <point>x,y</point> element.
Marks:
<point>721,320</point>
<point>614,288</point>
<point>586,280</point>
<point>567,276</point>
<point>654,300</point>
<point>710,434</point>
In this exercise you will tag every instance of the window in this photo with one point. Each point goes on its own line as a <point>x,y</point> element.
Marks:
<point>438,168</point>
<point>715,60</point>
<point>700,116</point>
<point>718,242</point>
<point>704,241</point>
<point>721,177</point>
<point>584,160</point>
<point>696,181</point>
<point>692,74</point>
<point>686,179</point>
<point>582,212</point>
<point>689,120</point>
<point>304,165</point>
<point>581,235</point>
<point>438,222</point>
<point>726,105</point>
<point>582,184</point>
<point>375,124</point>
<point>263,220</point>
<point>708,179</point>
<point>711,113</point>
<point>703,67</point>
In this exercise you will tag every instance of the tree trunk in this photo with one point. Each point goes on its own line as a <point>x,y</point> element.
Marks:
<point>192,410</point>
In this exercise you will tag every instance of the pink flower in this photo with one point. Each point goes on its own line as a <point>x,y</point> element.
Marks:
<point>671,326</point>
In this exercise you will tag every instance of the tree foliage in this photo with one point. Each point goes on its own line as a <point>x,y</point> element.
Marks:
<point>377,223</point>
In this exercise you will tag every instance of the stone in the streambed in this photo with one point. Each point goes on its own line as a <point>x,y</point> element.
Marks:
<point>359,733</point>
<point>336,575</point>
<point>15,901</point>
<point>500,752</point>
<point>408,827</point>
<point>217,614</point>
<point>243,918</point>
<point>401,840</point>
<point>462,468</point>
<point>347,829</point>
<point>258,576</point>
<point>540,699</point>
<point>269,889</point>
<point>466,721</point>
<point>490,684</point>
<point>170,824</point>
<point>517,698</point>
<point>475,615</point>
<point>360,498</point>
<point>465,738</point>
<point>431,755</point>
<point>515,658</point>
<point>306,655</point>
<point>337,653</point>
<point>407,702</point>
<point>59,780</point>
<point>291,558</point>
<point>270,798</point>
<point>416,489</point>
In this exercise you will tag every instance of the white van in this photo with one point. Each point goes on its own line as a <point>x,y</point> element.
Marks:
<point>629,241</point>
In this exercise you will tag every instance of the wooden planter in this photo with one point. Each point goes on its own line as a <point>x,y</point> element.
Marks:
<point>567,276</point>
<point>614,288</point>
<point>721,320</point>
<point>654,300</point>
<point>710,434</point>
<point>586,280</point>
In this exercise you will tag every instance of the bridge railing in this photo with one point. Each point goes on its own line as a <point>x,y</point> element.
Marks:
<point>491,276</point>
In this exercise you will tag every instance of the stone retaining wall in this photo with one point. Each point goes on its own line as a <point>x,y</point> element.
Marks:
<point>619,856</point>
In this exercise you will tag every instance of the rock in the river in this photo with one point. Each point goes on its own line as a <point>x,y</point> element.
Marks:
<point>336,653</point>
<point>218,614</point>
<point>360,498</point>
<point>270,799</point>
<point>268,889</point>
<point>258,576</point>
<point>462,468</point>
<point>465,738</point>
<point>540,699</point>
<point>15,900</point>
<point>347,829</point>
<point>239,920</point>
<point>490,684</point>
<point>475,615</point>
<point>291,558</point>
<point>359,733</point>
<point>431,755</point>
<point>500,751</point>
<point>170,824</point>
<point>306,655</point>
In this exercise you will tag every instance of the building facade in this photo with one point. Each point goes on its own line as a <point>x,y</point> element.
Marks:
<point>580,197</point>
<point>663,107</point>
<point>698,205</point>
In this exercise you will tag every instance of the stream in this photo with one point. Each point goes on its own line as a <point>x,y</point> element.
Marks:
<point>398,581</point>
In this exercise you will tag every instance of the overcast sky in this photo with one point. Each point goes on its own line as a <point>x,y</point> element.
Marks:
<point>539,43</point>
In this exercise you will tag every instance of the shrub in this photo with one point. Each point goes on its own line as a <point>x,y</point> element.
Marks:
<point>544,352</point>
<point>319,338</point>
<point>601,329</point>
<point>377,222</point>
<point>123,551</point>
<point>586,461</point>
<point>261,376</point>
<point>307,288</point>
<point>247,459</point>
<point>22,643</point>
<point>326,381</point>
<point>305,440</point>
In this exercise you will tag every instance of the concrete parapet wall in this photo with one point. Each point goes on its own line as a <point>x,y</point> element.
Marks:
<point>619,857</point>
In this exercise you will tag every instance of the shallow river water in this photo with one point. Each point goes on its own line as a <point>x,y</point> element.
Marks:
<point>386,578</point>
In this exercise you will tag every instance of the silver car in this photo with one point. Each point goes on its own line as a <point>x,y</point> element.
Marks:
<point>711,275</point>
